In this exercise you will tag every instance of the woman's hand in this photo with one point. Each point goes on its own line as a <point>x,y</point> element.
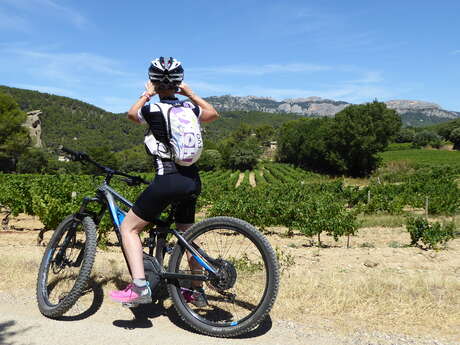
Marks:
<point>208,113</point>
<point>150,88</point>
<point>185,90</point>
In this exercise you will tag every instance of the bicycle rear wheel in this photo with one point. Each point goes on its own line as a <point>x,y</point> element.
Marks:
<point>249,278</point>
<point>66,266</point>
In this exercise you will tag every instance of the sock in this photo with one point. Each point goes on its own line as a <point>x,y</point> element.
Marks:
<point>142,283</point>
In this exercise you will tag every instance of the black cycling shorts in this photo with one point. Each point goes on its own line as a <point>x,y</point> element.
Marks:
<point>166,189</point>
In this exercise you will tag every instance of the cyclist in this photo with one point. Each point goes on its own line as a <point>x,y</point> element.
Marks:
<point>172,181</point>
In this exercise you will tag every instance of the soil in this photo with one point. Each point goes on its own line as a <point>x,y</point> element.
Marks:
<point>240,179</point>
<point>375,251</point>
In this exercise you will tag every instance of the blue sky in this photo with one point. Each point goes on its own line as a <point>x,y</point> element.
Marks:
<point>356,51</point>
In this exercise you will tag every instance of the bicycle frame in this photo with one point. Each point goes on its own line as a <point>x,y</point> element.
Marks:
<point>107,197</point>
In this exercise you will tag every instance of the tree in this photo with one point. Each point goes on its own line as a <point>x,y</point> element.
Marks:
<point>134,159</point>
<point>405,135</point>
<point>304,142</point>
<point>425,138</point>
<point>245,155</point>
<point>32,161</point>
<point>347,144</point>
<point>358,133</point>
<point>103,156</point>
<point>14,138</point>
<point>210,160</point>
<point>241,149</point>
<point>455,138</point>
<point>264,134</point>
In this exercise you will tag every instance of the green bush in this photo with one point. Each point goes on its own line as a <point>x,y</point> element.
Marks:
<point>210,160</point>
<point>431,235</point>
<point>425,138</point>
<point>346,144</point>
<point>14,138</point>
<point>455,138</point>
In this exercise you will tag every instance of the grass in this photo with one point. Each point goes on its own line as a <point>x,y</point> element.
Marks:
<point>409,291</point>
<point>404,302</point>
<point>423,156</point>
<point>383,220</point>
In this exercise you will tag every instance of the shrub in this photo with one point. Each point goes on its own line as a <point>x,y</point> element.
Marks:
<point>210,160</point>
<point>346,144</point>
<point>405,135</point>
<point>425,138</point>
<point>455,138</point>
<point>431,235</point>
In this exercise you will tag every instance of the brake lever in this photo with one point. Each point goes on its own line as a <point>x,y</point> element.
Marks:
<point>134,181</point>
<point>129,181</point>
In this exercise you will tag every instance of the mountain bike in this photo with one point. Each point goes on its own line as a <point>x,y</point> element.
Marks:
<point>239,269</point>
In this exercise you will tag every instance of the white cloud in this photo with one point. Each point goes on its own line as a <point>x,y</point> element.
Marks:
<point>34,8</point>
<point>68,67</point>
<point>358,85</point>
<point>260,69</point>
<point>367,86</point>
<point>456,52</point>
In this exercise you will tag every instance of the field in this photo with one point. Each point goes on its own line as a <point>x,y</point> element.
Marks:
<point>423,156</point>
<point>368,284</point>
<point>378,286</point>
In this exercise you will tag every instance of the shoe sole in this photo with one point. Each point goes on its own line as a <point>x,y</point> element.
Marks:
<point>199,304</point>
<point>140,300</point>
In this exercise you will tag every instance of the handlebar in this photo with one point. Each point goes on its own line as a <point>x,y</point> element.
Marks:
<point>131,180</point>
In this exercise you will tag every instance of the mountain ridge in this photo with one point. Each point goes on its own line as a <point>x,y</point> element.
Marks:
<point>412,112</point>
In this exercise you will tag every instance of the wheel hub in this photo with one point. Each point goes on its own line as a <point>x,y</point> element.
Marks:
<point>226,275</point>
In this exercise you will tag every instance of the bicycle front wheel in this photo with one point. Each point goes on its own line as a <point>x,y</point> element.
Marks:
<point>66,265</point>
<point>248,282</point>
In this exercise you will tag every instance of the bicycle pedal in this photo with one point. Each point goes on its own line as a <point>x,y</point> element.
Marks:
<point>130,305</point>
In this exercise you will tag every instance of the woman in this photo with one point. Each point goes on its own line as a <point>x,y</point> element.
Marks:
<point>172,181</point>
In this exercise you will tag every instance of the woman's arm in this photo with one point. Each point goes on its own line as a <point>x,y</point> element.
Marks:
<point>208,113</point>
<point>132,112</point>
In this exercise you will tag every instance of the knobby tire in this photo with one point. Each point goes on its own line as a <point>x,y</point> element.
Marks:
<point>55,310</point>
<point>256,316</point>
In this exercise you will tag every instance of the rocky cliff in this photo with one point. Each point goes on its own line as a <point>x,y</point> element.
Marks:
<point>311,106</point>
<point>413,113</point>
<point>33,124</point>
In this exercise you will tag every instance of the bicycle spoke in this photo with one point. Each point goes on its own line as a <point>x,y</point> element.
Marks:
<point>238,301</point>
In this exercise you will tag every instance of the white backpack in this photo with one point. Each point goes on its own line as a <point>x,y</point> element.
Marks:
<point>184,134</point>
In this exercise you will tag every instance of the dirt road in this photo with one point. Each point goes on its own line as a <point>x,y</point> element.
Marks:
<point>314,289</point>
<point>21,323</point>
<point>108,323</point>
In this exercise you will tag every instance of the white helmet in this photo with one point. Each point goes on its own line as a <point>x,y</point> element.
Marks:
<point>169,72</point>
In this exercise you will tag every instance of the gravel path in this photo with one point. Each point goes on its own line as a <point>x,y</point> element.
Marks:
<point>21,323</point>
<point>240,179</point>
<point>252,179</point>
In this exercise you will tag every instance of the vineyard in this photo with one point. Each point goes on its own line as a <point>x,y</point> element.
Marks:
<point>272,195</point>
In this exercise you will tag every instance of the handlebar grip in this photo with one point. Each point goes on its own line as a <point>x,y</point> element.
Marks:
<point>144,181</point>
<point>66,150</point>
<point>134,180</point>
<point>76,156</point>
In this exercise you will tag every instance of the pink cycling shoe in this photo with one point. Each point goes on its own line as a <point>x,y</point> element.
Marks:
<point>132,294</point>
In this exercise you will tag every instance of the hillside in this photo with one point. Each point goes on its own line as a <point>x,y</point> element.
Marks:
<point>77,124</point>
<point>80,125</point>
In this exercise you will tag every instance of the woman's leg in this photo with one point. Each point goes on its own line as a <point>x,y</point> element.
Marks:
<point>139,292</point>
<point>131,226</point>
<point>195,267</point>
